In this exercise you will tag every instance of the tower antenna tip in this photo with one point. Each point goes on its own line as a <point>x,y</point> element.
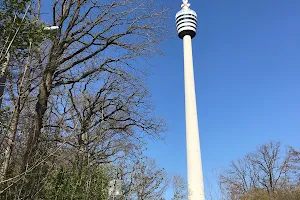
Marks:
<point>185,4</point>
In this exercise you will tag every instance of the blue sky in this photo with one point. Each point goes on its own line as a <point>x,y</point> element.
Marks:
<point>247,69</point>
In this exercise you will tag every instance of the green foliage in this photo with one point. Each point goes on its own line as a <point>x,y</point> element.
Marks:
<point>63,183</point>
<point>15,5</point>
<point>5,114</point>
<point>21,30</point>
<point>91,183</point>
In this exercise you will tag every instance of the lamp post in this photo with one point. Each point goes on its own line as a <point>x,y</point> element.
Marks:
<point>186,22</point>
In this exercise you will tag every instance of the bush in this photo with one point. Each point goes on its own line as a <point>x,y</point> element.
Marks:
<point>91,183</point>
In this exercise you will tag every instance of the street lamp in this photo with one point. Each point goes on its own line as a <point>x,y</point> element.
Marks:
<point>51,28</point>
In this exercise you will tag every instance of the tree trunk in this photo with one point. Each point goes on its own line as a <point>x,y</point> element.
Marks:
<point>11,137</point>
<point>82,156</point>
<point>40,110</point>
<point>3,79</point>
<point>10,143</point>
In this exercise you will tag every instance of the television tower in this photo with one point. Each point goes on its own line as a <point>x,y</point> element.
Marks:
<point>186,22</point>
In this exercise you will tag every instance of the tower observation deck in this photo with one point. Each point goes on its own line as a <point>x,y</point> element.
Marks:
<point>186,21</point>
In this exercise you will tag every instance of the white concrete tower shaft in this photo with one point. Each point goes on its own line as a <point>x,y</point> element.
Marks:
<point>186,21</point>
<point>194,161</point>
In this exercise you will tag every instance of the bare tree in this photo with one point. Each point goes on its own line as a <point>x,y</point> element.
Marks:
<point>146,181</point>
<point>18,41</point>
<point>21,82</point>
<point>94,37</point>
<point>180,191</point>
<point>103,125</point>
<point>263,171</point>
<point>295,159</point>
